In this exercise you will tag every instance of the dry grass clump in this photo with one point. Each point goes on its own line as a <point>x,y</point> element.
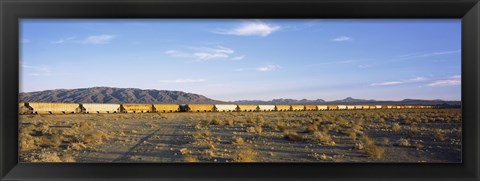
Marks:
<point>292,136</point>
<point>439,137</point>
<point>230,122</point>
<point>190,159</point>
<point>201,134</point>
<point>385,141</point>
<point>217,121</point>
<point>403,142</point>
<point>50,141</point>
<point>254,129</point>
<point>371,149</point>
<point>311,128</point>
<point>280,126</point>
<point>323,138</point>
<point>237,140</point>
<point>396,127</point>
<point>245,155</point>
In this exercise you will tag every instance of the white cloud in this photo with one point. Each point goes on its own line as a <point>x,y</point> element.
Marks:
<point>412,80</point>
<point>451,81</point>
<point>254,28</point>
<point>206,53</point>
<point>36,71</point>
<point>268,68</point>
<point>342,38</point>
<point>98,39</point>
<point>180,81</point>
<point>61,41</point>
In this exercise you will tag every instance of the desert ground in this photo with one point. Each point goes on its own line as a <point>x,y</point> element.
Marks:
<point>403,135</point>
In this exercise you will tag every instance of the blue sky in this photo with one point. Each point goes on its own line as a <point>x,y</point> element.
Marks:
<point>247,59</point>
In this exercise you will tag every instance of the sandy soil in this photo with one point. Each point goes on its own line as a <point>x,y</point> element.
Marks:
<point>429,135</point>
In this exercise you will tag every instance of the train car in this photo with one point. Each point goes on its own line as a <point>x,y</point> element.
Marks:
<point>322,107</point>
<point>358,106</point>
<point>365,107</point>
<point>54,108</point>
<point>372,107</point>
<point>408,107</point>
<point>378,106</point>
<point>350,107</point>
<point>310,108</point>
<point>226,107</point>
<point>100,108</point>
<point>136,108</point>
<point>298,107</point>
<point>342,107</point>
<point>283,108</point>
<point>201,107</point>
<point>266,107</point>
<point>332,107</point>
<point>23,108</point>
<point>247,107</point>
<point>166,107</point>
<point>384,107</point>
<point>389,107</point>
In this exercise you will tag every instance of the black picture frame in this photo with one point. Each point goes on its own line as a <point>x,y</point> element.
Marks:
<point>13,10</point>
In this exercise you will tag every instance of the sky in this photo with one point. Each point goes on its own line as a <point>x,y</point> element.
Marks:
<point>247,59</point>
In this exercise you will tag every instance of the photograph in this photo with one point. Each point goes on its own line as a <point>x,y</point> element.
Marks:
<point>240,90</point>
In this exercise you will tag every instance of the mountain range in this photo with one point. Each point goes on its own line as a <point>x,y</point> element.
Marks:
<point>150,96</point>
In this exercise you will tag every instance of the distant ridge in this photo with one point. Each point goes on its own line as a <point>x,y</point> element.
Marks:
<point>114,95</point>
<point>151,96</point>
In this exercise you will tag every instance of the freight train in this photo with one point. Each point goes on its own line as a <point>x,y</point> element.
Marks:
<point>97,108</point>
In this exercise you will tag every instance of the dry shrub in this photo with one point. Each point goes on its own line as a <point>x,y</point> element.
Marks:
<point>419,145</point>
<point>385,141</point>
<point>374,151</point>
<point>45,157</point>
<point>26,141</point>
<point>67,158</point>
<point>51,141</point>
<point>439,137</point>
<point>254,129</point>
<point>357,124</point>
<point>280,126</point>
<point>323,138</point>
<point>245,155</point>
<point>185,151</point>
<point>237,140</point>
<point>190,159</point>
<point>76,146</point>
<point>201,134</point>
<point>217,121</point>
<point>396,127</point>
<point>403,142</point>
<point>311,128</point>
<point>352,133</point>
<point>230,122</point>
<point>292,136</point>
<point>367,140</point>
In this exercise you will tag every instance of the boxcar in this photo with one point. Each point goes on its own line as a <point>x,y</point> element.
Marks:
<point>166,107</point>
<point>247,107</point>
<point>201,107</point>
<point>282,108</point>
<point>226,107</point>
<point>54,108</point>
<point>310,108</point>
<point>350,107</point>
<point>365,107</point>
<point>298,107</point>
<point>332,107</point>
<point>266,107</point>
<point>136,108</point>
<point>342,107</point>
<point>358,106</point>
<point>378,106</point>
<point>384,107</point>
<point>322,107</point>
<point>373,107</point>
<point>100,108</point>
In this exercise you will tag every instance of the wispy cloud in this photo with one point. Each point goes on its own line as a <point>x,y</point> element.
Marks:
<point>342,38</point>
<point>268,68</point>
<point>180,81</point>
<point>65,40</point>
<point>428,54</point>
<point>412,80</point>
<point>36,71</point>
<point>451,81</point>
<point>98,39</point>
<point>333,62</point>
<point>205,53</point>
<point>253,28</point>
